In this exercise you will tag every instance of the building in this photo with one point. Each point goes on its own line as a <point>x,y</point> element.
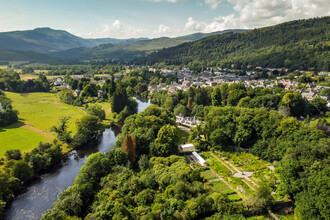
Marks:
<point>199,159</point>
<point>186,147</point>
<point>1,107</point>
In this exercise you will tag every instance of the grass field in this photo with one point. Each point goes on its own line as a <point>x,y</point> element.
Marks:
<point>11,138</point>
<point>37,113</point>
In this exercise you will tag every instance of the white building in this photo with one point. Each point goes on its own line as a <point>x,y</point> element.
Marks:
<point>199,159</point>
<point>1,107</point>
<point>186,147</point>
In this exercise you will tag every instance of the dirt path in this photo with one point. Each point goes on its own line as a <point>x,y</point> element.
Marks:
<point>245,179</point>
<point>49,137</point>
<point>220,178</point>
<point>222,162</point>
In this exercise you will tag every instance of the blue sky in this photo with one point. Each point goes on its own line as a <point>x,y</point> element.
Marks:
<point>152,18</point>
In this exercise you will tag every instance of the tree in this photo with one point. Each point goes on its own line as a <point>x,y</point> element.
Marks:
<point>96,111</point>
<point>294,102</point>
<point>90,90</point>
<point>66,96</point>
<point>216,96</point>
<point>22,171</point>
<point>319,105</point>
<point>129,146</point>
<point>119,99</point>
<point>62,129</point>
<point>13,154</point>
<point>87,127</point>
<point>262,198</point>
<point>165,143</point>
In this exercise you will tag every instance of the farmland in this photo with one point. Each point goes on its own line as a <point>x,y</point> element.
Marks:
<point>37,113</point>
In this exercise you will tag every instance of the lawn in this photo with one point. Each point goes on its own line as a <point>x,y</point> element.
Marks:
<point>209,175</point>
<point>182,136</point>
<point>219,186</point>
<point>42,110</point>
<point>37,113</point>
<point>11,138</point>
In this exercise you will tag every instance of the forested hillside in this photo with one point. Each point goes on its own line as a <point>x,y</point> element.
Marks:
<point>301,44</point>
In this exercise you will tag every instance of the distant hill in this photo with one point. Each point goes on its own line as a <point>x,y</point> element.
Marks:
<point>41,40</point>
<point>302,44</point>
<point>12,55</point>
<point>61,44</point>
<point>99,41</point>
<point>127,52</point>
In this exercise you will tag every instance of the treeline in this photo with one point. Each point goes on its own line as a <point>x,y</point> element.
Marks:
<point>10,81</point>
<point>7,114</point>
<point>17,170</point>
<point>300,44</point>
<point>302,151</point>
<point>193,101</point>
<point>131,183</point>
<point>91,69</point>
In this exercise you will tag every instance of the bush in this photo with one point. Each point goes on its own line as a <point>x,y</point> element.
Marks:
<point>96,111</point>
<point>13,154</point>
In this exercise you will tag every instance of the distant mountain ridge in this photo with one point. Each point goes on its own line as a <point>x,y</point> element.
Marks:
<point>131,51</point>
<point>60,44</point>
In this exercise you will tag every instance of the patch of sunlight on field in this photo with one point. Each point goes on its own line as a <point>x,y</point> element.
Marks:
<point>16,137</point>
<point>42,110</point>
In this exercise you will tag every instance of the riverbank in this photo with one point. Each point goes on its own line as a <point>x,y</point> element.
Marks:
<point>40,196</point>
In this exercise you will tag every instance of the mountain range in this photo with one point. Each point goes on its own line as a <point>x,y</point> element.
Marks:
<point>46,44</point>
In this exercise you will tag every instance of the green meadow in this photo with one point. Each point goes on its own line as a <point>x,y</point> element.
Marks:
<point>37,113</point>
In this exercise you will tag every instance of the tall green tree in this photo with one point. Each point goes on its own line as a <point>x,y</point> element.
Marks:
<point>165,143</point>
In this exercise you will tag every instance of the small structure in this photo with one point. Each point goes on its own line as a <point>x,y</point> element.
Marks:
<point>1,107</point>
<point>186,147</point>
<point>199,159</point>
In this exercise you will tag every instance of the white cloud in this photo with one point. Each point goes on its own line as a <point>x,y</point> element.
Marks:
<point>194,25</point>
<point>259,13</point>
<point>173,1</point>
<point>121,30</point>
<point>213,3</point>
<point>163,29</point>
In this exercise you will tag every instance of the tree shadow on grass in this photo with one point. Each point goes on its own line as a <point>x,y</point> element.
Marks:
<point>18,124</point>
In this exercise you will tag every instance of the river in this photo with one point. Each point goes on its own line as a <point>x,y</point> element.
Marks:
<point>41,195</point>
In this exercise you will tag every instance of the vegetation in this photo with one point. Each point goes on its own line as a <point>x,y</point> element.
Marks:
<point>7,114</point>
<point>10,81</point>
<point>16,170</point>
<point>301,44</point>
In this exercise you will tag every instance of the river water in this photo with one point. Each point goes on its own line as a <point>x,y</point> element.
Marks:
<point>41,195</point>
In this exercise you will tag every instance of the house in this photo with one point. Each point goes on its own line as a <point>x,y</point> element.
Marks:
<point>1,107</point>
<point>100,93</point>
<point>76,92</point>
<point>58,81</point>
<point>199,159</point>
<point>308,95</point>
<point>186,147</point>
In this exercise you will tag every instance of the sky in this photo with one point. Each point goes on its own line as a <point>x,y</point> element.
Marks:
<point>153,18</point>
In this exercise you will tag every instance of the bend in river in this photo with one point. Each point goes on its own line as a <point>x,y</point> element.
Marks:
<point>41,195</point>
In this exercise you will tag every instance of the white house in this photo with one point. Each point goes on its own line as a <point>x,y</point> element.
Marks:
<point>199,159</point>
<point>1,107</point>
<point>186,147</point>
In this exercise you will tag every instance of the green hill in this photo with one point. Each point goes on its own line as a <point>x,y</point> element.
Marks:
<point>302,44</point>
<point>41,40</point>
<point>12,55</point>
